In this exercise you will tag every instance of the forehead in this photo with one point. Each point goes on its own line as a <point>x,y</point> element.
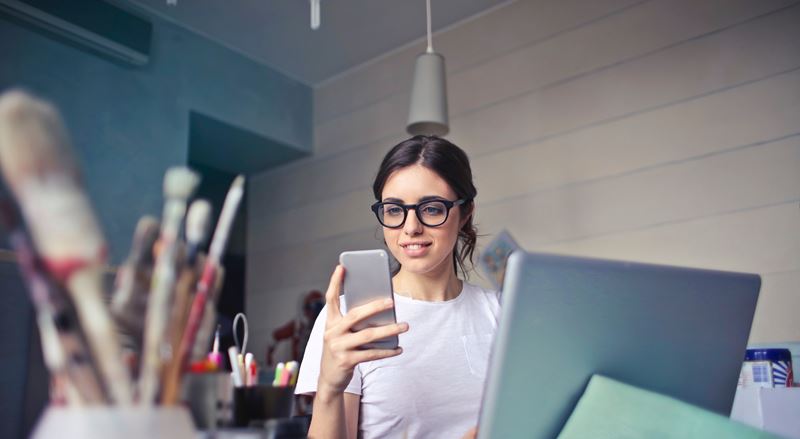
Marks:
<point>414,182</point>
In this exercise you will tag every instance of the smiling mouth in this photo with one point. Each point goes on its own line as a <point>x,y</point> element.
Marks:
<point>415,246</point>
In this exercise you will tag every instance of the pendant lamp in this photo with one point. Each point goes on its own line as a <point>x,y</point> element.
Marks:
<point>428,111</point>
<point>314,14</point>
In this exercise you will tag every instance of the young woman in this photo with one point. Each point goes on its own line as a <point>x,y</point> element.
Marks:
<point>431,386</point>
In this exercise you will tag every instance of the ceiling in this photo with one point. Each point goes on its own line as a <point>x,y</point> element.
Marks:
<point>278,33</point>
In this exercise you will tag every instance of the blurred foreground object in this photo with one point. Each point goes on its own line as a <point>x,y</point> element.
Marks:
<point>611,409</point>
<point>38,165</point>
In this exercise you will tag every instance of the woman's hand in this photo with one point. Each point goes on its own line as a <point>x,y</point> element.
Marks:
<point>340,353</point>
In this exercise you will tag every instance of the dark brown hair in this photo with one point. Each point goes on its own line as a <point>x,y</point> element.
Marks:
<point>451,164</point>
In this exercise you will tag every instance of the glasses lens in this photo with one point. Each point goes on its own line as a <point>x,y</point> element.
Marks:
<point>432,213</point>
<point>391,215</point>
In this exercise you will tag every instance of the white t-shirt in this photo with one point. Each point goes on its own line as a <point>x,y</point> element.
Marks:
<point>434,388</point>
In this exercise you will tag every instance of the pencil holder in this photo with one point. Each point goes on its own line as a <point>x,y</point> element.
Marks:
<point>256,404</point>
<point>117,422</point>
<point>209,398</point>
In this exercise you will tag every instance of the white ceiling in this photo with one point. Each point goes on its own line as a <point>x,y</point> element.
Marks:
<point>277,32</point>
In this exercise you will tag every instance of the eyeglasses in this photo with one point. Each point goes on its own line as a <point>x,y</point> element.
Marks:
<point>432,213</point>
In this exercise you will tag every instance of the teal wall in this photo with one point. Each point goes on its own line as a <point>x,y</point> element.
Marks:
<point>128,126</point>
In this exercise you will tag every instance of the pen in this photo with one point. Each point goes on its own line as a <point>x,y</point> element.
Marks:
<point>248,364</point>
<point>214,356</point>
<point>276,382</point>
<point>215,346</point>
<point>294,368</point>
<point>288,370</point>
<point>254,373</point>
<point>236,372</point>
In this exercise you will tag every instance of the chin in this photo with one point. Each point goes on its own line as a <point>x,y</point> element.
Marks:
<point>416,266</point>
<point>421,265</point>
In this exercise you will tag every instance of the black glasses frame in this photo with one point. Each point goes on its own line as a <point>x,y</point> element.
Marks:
<point>378,205</point>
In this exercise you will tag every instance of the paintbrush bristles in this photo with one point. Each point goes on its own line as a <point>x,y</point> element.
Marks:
<point>144,237</point>
<point>180,182</point>
<point>197,222</point>
<point>33,139</point>
<point>38,166</point>
<point>129,302</point>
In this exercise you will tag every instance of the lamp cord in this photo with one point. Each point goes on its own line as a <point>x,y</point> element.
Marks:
<point>430,39</point>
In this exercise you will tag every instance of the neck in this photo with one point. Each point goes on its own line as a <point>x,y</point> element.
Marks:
<point>437,285</point>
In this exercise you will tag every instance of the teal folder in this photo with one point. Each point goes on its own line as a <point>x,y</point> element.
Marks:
<point>610,409</point>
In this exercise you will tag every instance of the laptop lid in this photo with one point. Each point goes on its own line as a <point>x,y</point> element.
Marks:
<point>681,332</point>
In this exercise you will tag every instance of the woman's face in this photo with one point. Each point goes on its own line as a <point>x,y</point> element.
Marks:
<point>419,248</point>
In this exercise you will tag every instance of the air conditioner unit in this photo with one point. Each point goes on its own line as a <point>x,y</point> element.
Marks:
<point>93,24</point>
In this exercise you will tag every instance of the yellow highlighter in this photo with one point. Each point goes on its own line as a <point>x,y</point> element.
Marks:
<point>293,367</point>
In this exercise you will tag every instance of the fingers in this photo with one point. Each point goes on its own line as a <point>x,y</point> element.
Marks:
<point>374,354</point>
<point>332,295</point>
<point>348,360</point>
<point>366,311</point>
<point>368,335</point>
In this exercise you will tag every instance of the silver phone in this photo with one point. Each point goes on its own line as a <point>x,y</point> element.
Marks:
<point>366,279</point>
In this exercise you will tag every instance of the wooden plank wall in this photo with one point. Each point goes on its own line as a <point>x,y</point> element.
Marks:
<point>665,131</point>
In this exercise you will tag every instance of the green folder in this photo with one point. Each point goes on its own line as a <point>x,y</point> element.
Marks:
<point>610,409</point>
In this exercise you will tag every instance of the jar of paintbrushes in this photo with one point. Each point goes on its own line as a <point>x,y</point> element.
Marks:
<point>119,363</point>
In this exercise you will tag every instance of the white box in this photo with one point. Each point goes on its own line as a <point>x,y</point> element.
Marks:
<point>774,410</point>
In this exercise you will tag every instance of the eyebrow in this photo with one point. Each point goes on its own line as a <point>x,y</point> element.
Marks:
<point>421,200</point>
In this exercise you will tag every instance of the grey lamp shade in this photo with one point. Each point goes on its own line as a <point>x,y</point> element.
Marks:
<point>428,111</point>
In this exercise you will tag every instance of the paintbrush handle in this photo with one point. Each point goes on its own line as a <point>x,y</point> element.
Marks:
<point>205,332</point>
<point>207,281</point>
<point>179,183</point>
<point>101,333</point>
<point>66,357</point>
<point>229,207</point>
<point>180,314</point>
<point>155,327</point>
<point>63,346</point>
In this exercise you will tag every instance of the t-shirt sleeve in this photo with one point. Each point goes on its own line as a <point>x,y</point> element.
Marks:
<point>309,367</point>
<point>492,301</point>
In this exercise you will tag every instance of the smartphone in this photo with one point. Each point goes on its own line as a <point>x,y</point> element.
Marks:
<point>367,278</point>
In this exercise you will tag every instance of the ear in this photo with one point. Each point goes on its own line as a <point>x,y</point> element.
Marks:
<point>470,211</point>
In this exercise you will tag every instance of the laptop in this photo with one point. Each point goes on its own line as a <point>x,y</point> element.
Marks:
<point>681,332</point>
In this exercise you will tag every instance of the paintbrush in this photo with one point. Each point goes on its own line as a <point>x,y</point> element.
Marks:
<point>64,348</point>
<point>209,321</point>
<point>211,269</point>
<point>197,225</point>
<point>179,183</point>
<point>198,221</point>
<point>38,165</point>
<point>129,303</point>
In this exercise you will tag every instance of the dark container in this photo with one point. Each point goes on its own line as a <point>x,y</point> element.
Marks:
<point>255,404</point>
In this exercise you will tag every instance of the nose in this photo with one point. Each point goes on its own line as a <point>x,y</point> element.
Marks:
<point>412,225</point>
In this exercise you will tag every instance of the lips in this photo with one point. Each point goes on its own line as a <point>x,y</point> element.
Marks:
<point>415,249</point>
